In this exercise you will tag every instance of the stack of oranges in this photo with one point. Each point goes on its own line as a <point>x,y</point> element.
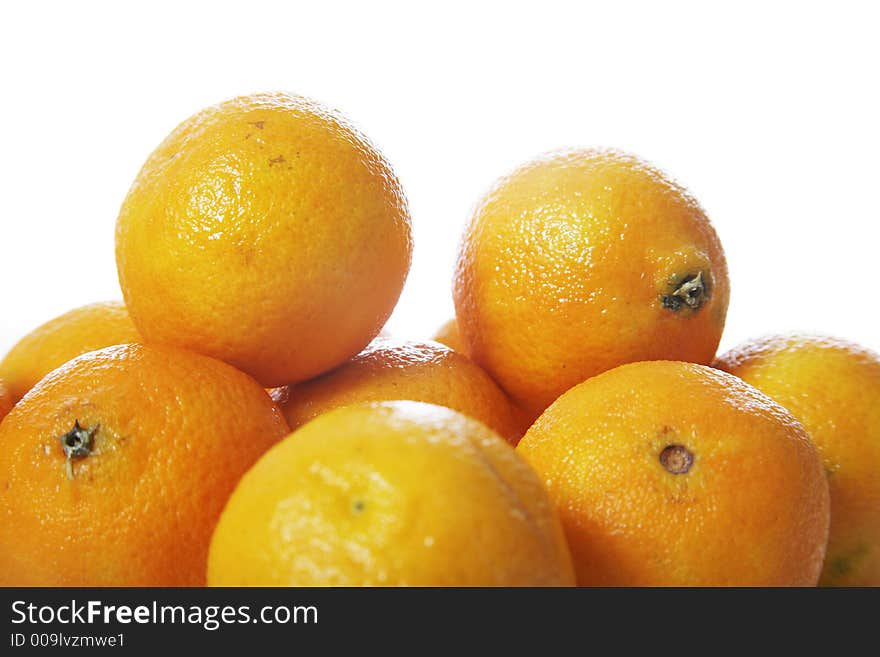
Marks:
<point>572,424</point>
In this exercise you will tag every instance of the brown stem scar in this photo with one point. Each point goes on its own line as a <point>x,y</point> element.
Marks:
<point>677,459</point>
<point>77,444</point>
<point>257,124</point>
<point>277,160</point>
<point>691,292</point>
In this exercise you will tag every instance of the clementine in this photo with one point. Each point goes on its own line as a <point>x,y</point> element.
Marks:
<point>52,344</point>
<point>267,232</point>
<point>833,387</point>
<point>583,260</point>
<point>390,494</point>
<point>676,474</point>
<point>116,466</point>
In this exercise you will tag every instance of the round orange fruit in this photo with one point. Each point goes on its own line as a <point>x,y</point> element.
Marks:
<point>833,388</point>
<point>391,370</point>
<point>267,232</point>
<point>449,335</point>
<point>390,494</point>
<point>676,474</point>
<point>116,466</point>
<point>583,260</point>
<point>74,333</point>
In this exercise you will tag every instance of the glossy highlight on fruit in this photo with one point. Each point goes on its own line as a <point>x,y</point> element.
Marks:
<point>390,494</point>
<point>389,370</point>
<point>268,232</point>
<point>833,387</point>
<point>582,260</point>
<point>116,466</point>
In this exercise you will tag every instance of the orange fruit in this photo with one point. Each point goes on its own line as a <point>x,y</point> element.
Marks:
<point>676,474</point>
<point>583,260</point>
<point>267,232</point>
<point>116,466</point>
<point>62,339</point>
<point>449,335</point>
<point>390,493</point>
<point>833,388</point>
<point>391,370</point>
<point>5,401</point>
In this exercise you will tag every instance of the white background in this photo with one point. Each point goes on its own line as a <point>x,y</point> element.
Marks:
<point>767,111</point>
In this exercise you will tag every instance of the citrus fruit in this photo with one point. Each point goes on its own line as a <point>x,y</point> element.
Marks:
<point>676,474</point>
<point>115,467</point>
<point>5,401</point>
<point>267,232</point>
<point>390,493</point>
<point>391,370</point>
<point>62,339</point>
<point>583,260</point>
<point>833,388</point>
<point>449,335</point>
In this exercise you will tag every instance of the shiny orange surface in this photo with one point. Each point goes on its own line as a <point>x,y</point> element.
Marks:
<point>169,433</point>
<point>570,266</point>
<point>833,387</point>
<point>268,232</point>
<point>676,474</point>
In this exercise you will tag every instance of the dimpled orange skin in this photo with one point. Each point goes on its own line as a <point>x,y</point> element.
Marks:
<point>563,271</point>
<point>265,231</point>
<point>173,433</point>
<point>389,370</point>
<point>59,340</point>
<point>390,494</point>
<point>6,403</point>
<point>833,388</point>
<point>752,509</point>
<point>449,335</point>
